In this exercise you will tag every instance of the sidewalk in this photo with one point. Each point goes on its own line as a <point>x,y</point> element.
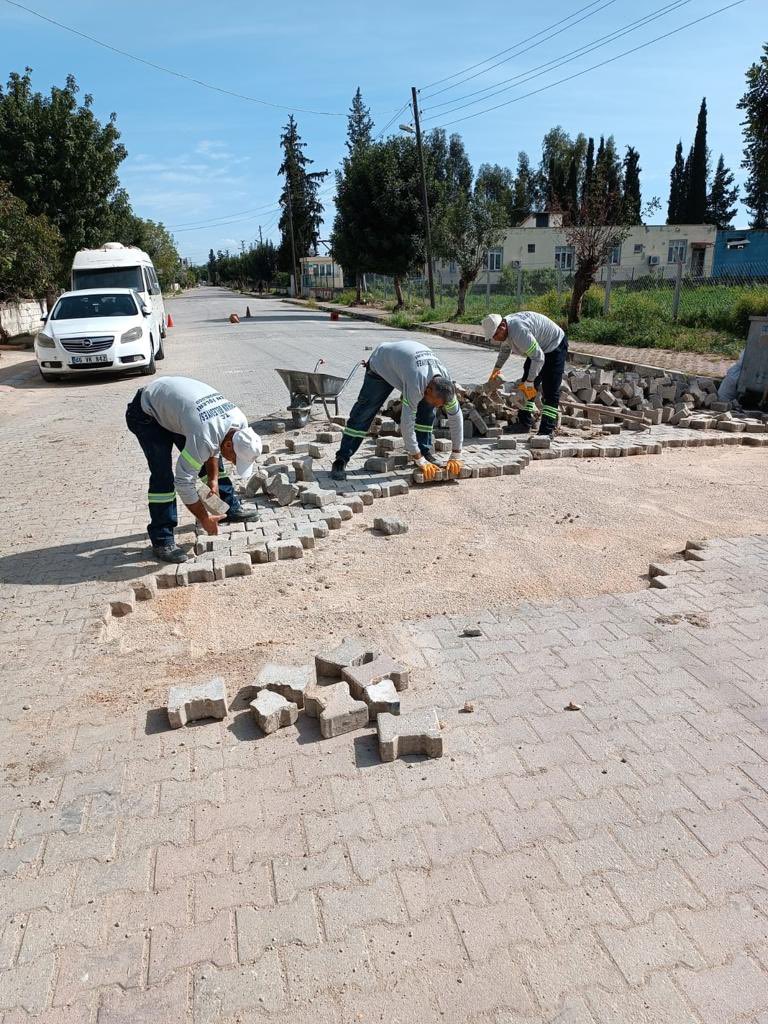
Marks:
<point>621,356</point>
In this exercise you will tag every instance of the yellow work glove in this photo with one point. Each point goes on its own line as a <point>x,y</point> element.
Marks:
<point>528,391</point>
<point>429,470</point>
<point>453,465</point>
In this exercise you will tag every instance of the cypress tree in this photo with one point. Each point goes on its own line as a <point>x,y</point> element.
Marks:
<point>754,103</point>
<point>631,200</point>
<point>676,187</point>
<point>696,195</point>
<point>359,123</point>
<point>302,186</point>
<point>722,199</point>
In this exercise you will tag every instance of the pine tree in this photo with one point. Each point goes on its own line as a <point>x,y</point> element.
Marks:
<point>695,210</point>
<point>359,123</point>
<point>299,198</point>
<point>589,172</point>
<point>631,200</point>
<point>754,103</point>
<point>676,187</point>
<point>722,199</point>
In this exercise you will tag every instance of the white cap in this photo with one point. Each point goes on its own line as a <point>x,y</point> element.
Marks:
<point>247,445</point>
<point>490,325</point>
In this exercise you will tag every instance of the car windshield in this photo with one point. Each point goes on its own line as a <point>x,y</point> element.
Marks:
<point>86,307</point>
<point>107,277</point>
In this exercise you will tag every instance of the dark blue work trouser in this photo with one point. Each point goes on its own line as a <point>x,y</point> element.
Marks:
<point>157,443</point>
<point>550,380</point>
<point>373,394</point>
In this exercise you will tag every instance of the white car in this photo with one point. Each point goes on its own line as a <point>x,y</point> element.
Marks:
<point>99,330</point>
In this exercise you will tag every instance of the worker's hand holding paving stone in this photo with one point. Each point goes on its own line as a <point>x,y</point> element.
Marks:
<point>453,465</point>
<point>427,469</point>
<point>526,391</point>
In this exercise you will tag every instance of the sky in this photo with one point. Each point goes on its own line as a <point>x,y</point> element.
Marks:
<point>205,162</point>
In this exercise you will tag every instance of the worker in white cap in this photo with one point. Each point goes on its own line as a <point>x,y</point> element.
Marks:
<point>204,426</point>
<point>545,348</point>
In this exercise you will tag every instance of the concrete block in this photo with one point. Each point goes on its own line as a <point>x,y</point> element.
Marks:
<point>607,397</point>
<point>418,732</point>
<point>303,470</point>
<point>272,711</point>
<point>296,446</point>
<point>325,437</point>
<point>477,421</point>
<point>587,395</point>
<point>281,490</point>
<point>379,464</point>
<point>348,654</point>
<point>443,446</point>
<point>335,708</point>
<point>397,487</point>
<point>257,553</point>
<point>369,672</point>
<point>290,681</point>
<point>355,502</point>
<point>320,530</point>
<point>540,443</point>
<point>233,565</point>
<point>333,519</point>
<point>145,589</point>
<point>381,698</point>
<point>123,604</point>
<point>384,446</point>
<point>191,703</point>
<point>166,578</point>
<point>344,511</point>
<point>212,502</point>
<point>315,451</point>
<point>389,525</point>
<point>199,572</point>
<point>315,497</point>
<point>289,549</point>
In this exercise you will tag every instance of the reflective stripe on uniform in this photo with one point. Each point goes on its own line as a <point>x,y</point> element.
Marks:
<point>349,432</point>
<point>160,498</point>
<point>549,411</point>
<point>423,429</point>
<point>192,461</point>
<point>531,348</point>
<point>530,407</point>
<point>451,406</point>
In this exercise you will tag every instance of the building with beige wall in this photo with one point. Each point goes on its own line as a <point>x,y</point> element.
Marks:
<point>653,249</point>
<point>320,274</point>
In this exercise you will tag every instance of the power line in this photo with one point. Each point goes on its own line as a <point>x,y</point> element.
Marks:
<point>393,118</point>
<point>170,71</point>
<point>557,62</point>
<point>190,224</point>
<point>232,218</point>
<point>594,67</point>
<point>528,39</point>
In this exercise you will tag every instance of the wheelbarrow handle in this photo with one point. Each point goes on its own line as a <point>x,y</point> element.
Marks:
<point>320,362</point>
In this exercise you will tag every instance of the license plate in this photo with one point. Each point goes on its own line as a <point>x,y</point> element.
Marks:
<point>89,360</point>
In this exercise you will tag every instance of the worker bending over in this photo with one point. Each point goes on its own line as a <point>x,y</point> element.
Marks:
<point>545,348</point>
<point>425,385</point>
<point>203,425</point>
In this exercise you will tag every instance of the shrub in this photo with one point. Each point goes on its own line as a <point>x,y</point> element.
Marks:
<point>753,304</point>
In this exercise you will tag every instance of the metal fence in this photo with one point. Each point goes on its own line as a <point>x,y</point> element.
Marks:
<point>672,293</point>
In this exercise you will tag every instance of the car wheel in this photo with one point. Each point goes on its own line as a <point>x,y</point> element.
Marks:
<point>160,354</point>
<point>50,378</point>
<point>150,368</point>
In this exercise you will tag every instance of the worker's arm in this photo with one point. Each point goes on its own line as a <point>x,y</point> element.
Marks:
<point>408,428</point>
<point>455,425</point>
<point>188,466</point>
<point>527,346</point>
<point>212,472</point>
<point>505,348</point>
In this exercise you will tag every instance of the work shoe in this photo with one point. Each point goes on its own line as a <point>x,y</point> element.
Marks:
<point>430,457</point>
<point>169,553</point>
<point>338,470</point>
<point>546,431</point>
<point>518,428</point>
<point>241,515</point>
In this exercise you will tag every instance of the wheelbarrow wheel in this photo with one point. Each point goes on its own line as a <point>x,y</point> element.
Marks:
<point>299,417</point>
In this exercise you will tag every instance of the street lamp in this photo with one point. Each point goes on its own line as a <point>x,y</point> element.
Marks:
<point>415,129</point>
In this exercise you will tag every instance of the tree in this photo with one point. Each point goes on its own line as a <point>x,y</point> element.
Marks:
<point>359,123</point>
<point>606,186</point>
<point>723,196</point>
<point>592,237</point>
<point>351,225</point>
<point>676,188</point>
<point>213,276</point>
<point>589,171</point>
<point>59,159</point>
<point>631,200</point>
<point>30,250</point>
<point>468,220</point>
<point>754,103</point>
<point>695,209</point>
<point>299,198</point>
<point>525,192</point>
<point>498,185</point>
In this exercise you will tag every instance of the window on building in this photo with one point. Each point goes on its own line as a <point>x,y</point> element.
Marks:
<point>615,257</point>
<point>494,259</point>
<point>531,247</point>
<point>638,249</point>
<point>677,251</point>
<point>452,267</point>
<point>564,255</point>
<point>542,220</point>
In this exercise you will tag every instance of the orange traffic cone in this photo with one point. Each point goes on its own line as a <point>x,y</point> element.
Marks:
<point>234,318</point>
<point>169,322</point>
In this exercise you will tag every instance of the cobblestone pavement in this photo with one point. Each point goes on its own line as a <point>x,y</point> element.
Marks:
<point>605,865</point>
<point>696,363</point>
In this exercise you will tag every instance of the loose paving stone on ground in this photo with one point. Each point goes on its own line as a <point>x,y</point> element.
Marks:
<point>605,866</point>
<point>193,702</point>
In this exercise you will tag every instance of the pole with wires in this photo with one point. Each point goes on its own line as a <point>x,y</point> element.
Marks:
<point>424,197</point>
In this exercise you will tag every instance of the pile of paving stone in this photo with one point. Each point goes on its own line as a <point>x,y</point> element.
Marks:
<point>346,689</point>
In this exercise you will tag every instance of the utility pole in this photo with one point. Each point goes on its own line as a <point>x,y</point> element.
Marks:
<point>424,199</point>
<point>297,282</point>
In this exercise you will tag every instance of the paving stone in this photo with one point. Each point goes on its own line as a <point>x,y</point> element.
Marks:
<point>193,702</point>
<point>123,604</point>
<point>291,681</point>
<point>723,995</point>
<point>389,525</point>
<point>373,671</point>
<point>224,994</point>
<point>232,565</point>
<point>145,589</point>
<point>200,572</point>
<point>381,697</point>
<point>335,708</point>
<point>331,663</point>
<point>304,471</point>
<point>258,929</point>
<point>81,971</point>
<point>315,497</point>
<point>272,711</point>
<point>417,732</point>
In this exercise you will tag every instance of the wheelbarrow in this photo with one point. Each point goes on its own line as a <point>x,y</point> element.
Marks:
<point>308,389</point>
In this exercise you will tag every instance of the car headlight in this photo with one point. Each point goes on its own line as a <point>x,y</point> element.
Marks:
<point>133,335</point>
<point>43,341</point>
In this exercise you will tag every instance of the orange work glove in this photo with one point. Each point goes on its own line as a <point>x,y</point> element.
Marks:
<point>495,374</point>
<point>453,465</point>
<point>528,391</point>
